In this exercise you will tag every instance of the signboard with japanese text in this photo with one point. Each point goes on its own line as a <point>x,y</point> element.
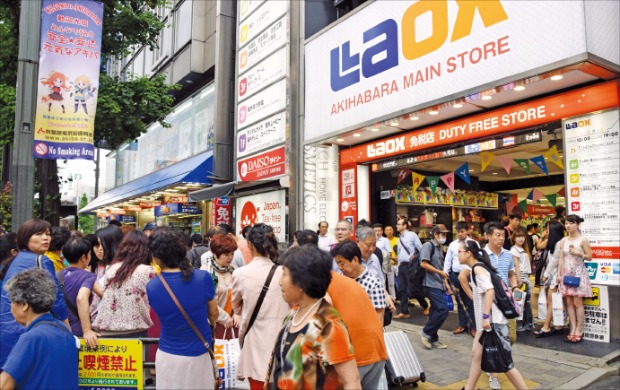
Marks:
<point>222,211</point>
<point>348,195</point>
<point>113,364</point>
<point>262,135</point>
<point>266,102</point>
<point>262,166</point>
<point>598,97</point>
<point>264,44</point>
<point>263,74</point>
<point>268,208</point>
<point>592,163</point>
<point>175,208</point>
<point>596,325</point>
<point>261,18</point>
<point>148,204</point>
<point>246,7</point>
<point>175,198</point>
<point>393,56</point>
<point>70,58</point>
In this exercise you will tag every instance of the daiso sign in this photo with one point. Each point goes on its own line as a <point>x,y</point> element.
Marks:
<point>383,41</point>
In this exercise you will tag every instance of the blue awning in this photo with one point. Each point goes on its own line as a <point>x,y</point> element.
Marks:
<point>195,169</point>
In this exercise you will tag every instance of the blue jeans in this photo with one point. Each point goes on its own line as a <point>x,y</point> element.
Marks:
<point>468,310</point>
<point>405,288</point>
<point>438,314</point>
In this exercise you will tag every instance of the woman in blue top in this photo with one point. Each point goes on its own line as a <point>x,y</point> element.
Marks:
<point>182,361</point>
<point>46,355</point>
<point>33,240</point>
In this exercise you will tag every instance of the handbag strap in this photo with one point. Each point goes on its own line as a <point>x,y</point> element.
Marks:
<point>261,297</point>
<point>189,320</point>
<point>404,246</point>
<point>70,304</point>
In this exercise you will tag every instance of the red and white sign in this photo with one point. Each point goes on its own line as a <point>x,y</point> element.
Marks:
<point>132,208</point>
<point>222,211</point>
<point>536,112</point>
<point>262,166</point>
<point>176,199</point>
<point>348,195</point>
<point>268,208</point>
<point>148,204</point>
<point>540,210</point>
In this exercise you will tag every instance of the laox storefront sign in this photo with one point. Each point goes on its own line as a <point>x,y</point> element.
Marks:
<point>346,67</point>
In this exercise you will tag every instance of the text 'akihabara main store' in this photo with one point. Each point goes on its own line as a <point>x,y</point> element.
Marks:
<point>470,111</point>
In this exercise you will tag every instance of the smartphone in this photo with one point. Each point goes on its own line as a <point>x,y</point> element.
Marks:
<point>517,294</point>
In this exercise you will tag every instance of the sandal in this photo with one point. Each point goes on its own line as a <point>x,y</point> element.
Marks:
<point>570,338</point>
<point>577,338</point>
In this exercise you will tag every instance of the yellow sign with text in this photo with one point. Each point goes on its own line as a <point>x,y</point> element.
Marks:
<point>113,364</point>
<point>595,300</point>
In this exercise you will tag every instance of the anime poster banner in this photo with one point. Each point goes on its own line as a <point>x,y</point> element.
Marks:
<point>68,79</point>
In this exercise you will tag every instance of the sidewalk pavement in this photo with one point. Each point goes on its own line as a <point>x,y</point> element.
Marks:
<point>542,368</point>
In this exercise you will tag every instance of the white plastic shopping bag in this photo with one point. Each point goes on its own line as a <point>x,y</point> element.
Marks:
<point>558,309</point>
<point>519,298</point>
<point>542,304</point>
<point>227,357</point>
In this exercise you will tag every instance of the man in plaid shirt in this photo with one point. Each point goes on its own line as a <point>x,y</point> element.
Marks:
<point>348,257</point>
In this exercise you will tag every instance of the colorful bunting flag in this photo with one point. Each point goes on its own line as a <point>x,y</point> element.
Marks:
<point>540,163</point>
<point>506,163</point>
<point>530,196</point>
<point>552,198</point>
<point>523,205</point>
<point>448,178</point>
<point>509,207</point>
<point>536,195</point>
<point>524,163</point>
<point>417,180</point>
<point>562,192</point>
<point>554,156</point>
<point>432,181</point>
<point>463,172</point>
<point>485,159</point>
<point>402,174</point>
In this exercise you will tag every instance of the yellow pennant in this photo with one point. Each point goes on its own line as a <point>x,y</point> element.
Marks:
<point>554,156</point>
<point>417,180</point>
<point>485,159</point>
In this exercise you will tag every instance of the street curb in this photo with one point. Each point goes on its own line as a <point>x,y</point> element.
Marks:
<point>588,378</point>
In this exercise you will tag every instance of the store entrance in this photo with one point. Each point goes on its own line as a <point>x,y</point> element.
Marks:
<point>518,173</point>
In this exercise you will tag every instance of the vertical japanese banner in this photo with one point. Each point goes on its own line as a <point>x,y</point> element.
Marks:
<point>69,63</point>
<point>348,195</point>
<point>222,211</point>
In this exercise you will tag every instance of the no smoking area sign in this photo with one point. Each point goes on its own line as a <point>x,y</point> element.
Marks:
<point>40,149</point>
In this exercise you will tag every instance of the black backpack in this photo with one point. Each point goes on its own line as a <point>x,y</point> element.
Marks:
<point>503,296</point>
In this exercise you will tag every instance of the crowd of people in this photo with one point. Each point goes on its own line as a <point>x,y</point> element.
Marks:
<point>312,316</point>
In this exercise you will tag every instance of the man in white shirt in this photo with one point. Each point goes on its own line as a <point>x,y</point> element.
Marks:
<point>386,249</point>
<point>326,240</point>
<point>453,268</point>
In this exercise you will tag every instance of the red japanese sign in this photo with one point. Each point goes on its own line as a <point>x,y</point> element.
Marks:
<point>222,211</point>
<point>147,204</point>
<point>175,199</point>
<point>262,166</point>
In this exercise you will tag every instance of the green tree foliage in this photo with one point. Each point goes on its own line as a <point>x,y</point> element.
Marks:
<point>86,223</point>
<point>125,107</point>
<point>5,207</point>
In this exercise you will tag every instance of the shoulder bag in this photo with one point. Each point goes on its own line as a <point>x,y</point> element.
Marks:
<point>259,303</point>
<point>216,374</point>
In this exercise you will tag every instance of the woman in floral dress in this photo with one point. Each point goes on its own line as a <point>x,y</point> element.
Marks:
<point>124,307</point>
<point>575,249</point>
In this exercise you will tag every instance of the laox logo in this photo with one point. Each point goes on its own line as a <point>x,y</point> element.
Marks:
<point>386,147</point>
<point>574,125</point>
<point>345,66</point>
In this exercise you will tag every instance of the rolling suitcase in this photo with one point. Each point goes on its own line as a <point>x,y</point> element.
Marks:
<point>402,366</point>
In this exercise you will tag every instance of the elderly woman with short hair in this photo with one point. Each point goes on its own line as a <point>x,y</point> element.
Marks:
<point>33,240</point>
<point>46,355</point>
<point>313,349</point>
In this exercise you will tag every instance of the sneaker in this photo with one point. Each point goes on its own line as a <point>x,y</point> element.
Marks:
<point>439,345</point>
<point>531,327</point>
<point>426,342</point>
<point>494,383</point>
<point>521,328</point>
